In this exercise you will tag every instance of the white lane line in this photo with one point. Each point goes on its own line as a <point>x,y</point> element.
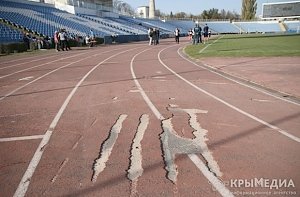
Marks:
<point>141,90</point>
<point>26,78</point>
<point>201,51</point>
<point>200,137</point>
<point>27,84</point>
<point>236,81</point>
<point>107,147</point>
<point>14,115</point>
<point>281,131</point>
<point>11,139</point>
<point>214,180</point>
<point>35,60</point>
<point>218,185</point>
<point>4,76</point>
<point>24,183</point>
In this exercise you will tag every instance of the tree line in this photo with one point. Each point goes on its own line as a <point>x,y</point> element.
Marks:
<point>248,12</point>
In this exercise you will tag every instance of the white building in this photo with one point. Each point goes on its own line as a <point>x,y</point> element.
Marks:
<point>143,12</point>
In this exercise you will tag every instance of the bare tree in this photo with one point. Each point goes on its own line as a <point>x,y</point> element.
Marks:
<point>123,7</point>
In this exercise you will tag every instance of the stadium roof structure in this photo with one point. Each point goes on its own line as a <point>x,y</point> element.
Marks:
<point>278,10</point>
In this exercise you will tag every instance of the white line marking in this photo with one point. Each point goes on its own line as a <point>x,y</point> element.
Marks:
<point>4,76</point>
<point>11,139</point>
<point>261,100</point>
<point>229,105</point>
<point>238,82</point>
<point>141,90</point>
<point>25,85</point>
<point>108,145</point>
<point>35,60</point>
<point>201,51</point>
<point>23,185</point>
<point>26,78</point>
<point>200,137</point>
<point>214,180</point>
<point>14,115</point>
<point>173,144</point>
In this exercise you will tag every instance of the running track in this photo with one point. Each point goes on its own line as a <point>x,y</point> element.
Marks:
<point>139,120</point>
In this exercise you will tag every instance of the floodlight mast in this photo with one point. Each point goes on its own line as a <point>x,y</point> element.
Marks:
<point>151,8</point>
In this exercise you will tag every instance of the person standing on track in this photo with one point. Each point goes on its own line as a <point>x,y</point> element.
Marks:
<point>63,39</point>
<point>197,33</point>
<point>157,36</point>
<point>177,35</point>
<point>56,41</point>
<point>205,33</point>
<point>150,35</point>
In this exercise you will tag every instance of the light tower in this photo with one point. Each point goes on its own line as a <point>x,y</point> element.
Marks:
<point>152,9</point>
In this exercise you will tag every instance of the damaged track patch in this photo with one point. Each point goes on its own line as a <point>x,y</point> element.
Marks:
<point>173,144</point>
<point>107,146</point>
<point>136,170</point>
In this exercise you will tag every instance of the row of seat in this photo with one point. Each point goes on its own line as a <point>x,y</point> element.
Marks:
<point>7,34</point>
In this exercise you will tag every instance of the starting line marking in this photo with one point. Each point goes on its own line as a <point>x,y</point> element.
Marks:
<point>12,139</point>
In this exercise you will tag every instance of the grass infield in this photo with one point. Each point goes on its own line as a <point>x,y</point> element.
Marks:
<point>253,45</point>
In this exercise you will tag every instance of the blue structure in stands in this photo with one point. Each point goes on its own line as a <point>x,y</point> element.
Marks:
<point>259,27</point>
<point>292,26</point>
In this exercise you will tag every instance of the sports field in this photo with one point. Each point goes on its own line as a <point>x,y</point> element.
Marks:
<point>254,45</point>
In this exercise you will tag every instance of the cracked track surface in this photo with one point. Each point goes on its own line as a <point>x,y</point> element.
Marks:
<point>86,102</point>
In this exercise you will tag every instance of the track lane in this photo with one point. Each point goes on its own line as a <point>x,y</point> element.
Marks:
<point>66,166</point>
<point>23,186</point>
<point>12,61</point>
<point>287,114</point>
<point>98,106</point>
<point>53,71</point>
<point>241,99</point>
<point>32,118</point>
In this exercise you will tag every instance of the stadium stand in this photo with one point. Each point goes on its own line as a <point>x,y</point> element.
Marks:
<point>165,28</point>
<point>184,25</point>
<point>221,27</point>
<point>259,26</point>
<point>292,26</point>
<point>8,34</point>
<point>44,19</point>
<point>111,25</point>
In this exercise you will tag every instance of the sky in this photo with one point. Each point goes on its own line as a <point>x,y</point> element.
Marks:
<point>196,7</point>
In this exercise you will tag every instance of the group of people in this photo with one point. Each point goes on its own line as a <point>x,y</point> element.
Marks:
<point>153,34</point>
<point>90,40</point>
<point>196,34</point>
<point>61,40</point>
<point>34,43</point>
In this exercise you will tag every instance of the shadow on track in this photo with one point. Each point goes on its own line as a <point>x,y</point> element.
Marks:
<point>147,169</point>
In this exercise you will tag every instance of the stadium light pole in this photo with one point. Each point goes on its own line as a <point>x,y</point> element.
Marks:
<point>151,8</point>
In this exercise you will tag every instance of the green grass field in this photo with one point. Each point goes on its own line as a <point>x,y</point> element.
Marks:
<point>254,45</point>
